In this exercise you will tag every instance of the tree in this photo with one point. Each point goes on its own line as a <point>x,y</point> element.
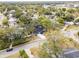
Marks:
<point>3,7</point>
<point>57,23</point>
<point>71,10</point>
<point>57,14</point>
<point>76,20</point>
<point>25,20</point>
<point>47,11</point>
<point>46,23</point>
<point>50,49</point>
<point>4,37</point>
<point>18,13</point>
<point>27,23</point>
<point>42,53</point>
<point>12,36</point>
<point>53,9</point>
<point>41,10</point>
<point>5,21</point>
<point>23,54</point>
<point>77,9</point>
<point>60,13</point>
<point>60,20</point>
<point>68,17</point>
<point>17,36</point>
<point>64,9</point>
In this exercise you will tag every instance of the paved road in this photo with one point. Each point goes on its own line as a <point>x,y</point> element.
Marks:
<point>70,50</point>
<point>72,54</point>
<point>26,47</point>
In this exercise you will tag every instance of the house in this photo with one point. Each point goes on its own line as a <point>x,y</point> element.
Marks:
<point>12,20</point>
<point>69,23</point>
<point>35,16</point>
<point>45,6</point>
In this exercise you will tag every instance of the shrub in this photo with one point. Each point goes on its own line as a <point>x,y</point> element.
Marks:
<point>68,17</point>
<point>76,20</point>
<point>23,54</point>
<point>5,21</point>
<point>64,9</point>
<point>60,20</point>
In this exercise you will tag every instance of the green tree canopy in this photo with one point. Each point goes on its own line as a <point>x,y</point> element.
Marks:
<point>76,19</point>
<point>50,49</point>
<point>71,10</point>
<point>5,21</point>
<point>60,20</point>
<point>64,9</point>
<point>68,17</point>
<point>45,22</point>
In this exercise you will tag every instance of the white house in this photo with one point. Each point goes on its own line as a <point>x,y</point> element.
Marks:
<point>35,16</point>
<point>69,23</point>
<point>12,20</point>
<point>46,6</point>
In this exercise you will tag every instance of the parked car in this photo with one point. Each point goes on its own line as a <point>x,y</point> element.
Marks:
<point>9,49</point>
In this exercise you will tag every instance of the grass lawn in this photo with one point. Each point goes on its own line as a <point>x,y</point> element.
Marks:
<point>16,55</point>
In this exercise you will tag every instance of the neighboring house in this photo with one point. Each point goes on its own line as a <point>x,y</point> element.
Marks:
<point>45,6</point>
<point>60,5</point>
<point>12,20</point>
<point>35,16</point>
<point>76,5</point>
<point>69,23</point>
